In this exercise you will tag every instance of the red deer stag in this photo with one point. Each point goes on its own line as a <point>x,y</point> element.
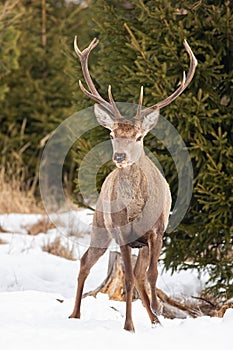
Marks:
<point>135,200</point>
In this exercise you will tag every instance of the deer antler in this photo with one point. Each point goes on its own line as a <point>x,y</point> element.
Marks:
<point>139,104</point>
<point>185,82</point>
<point>93,93</point>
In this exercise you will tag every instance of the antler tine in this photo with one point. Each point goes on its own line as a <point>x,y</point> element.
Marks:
<point>140,104</point>
<point>185,82</point>
<point>83,56</point>
<point>113,103</point>
<point>193,62</point>
<point>91,46</point>
<point>93,93</point>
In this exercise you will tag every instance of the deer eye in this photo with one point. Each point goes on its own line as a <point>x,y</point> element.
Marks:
<point>138,138</point>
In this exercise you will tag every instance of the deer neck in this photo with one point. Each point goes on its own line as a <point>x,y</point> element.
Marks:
<point>131,187</point>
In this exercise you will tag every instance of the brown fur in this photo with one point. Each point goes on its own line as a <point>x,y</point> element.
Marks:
<point>133,209</point>
<point>125,130</point>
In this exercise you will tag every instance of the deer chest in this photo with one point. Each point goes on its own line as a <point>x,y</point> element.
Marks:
<point>132,194</point>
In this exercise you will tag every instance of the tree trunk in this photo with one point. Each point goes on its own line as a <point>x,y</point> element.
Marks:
<point>43,26</point>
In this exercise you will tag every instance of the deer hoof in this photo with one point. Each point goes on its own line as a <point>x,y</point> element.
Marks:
<point>129,327</point>
<point>156,324</point>
<point>157,309</point>
<point>73,315</point>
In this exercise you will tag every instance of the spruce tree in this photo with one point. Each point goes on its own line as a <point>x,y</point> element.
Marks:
<point>9,51</point>
<point>39,93</point>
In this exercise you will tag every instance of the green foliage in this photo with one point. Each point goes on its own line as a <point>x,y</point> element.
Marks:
<point>9,51</point>
<point>39,93</point>
<point>141,44</point>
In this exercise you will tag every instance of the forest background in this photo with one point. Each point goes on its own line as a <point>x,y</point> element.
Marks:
<point>140,44</point>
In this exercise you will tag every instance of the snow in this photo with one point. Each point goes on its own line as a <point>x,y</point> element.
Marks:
<point>33,283</point>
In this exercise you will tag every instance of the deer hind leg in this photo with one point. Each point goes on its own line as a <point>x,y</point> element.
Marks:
<point>87,261</point>
<point>140,280</point>
<point>155,245</point>
<point>129,285</point>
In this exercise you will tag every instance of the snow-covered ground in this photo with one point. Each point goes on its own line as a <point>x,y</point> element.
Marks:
<point>33,284</point>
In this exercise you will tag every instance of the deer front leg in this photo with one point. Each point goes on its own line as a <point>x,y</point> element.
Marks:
<point>155,245</point>
<point>129,285</point>
<point>87,261</point>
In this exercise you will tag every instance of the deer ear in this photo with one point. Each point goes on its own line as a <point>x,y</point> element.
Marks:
<point>150,120</point>
<point>103,117</point>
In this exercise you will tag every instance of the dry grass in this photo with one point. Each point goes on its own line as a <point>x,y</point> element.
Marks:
<point>41,226</point>
<point>2,229</point>
<point>57,248</point>
<point>13,197</point>
<point>2,241</point>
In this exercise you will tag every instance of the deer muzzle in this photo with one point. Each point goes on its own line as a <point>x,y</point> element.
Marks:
<point>119,157</point>
<point>120,160</point>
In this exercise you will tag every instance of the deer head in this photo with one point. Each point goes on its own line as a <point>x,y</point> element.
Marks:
<point>127,135</point>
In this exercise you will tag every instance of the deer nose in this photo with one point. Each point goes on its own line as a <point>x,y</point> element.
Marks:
<point>119,157</point>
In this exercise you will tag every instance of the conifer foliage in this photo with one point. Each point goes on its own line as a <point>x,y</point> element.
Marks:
<point>38,93</point>
<point>9,51</point>
<point>141,43</point>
